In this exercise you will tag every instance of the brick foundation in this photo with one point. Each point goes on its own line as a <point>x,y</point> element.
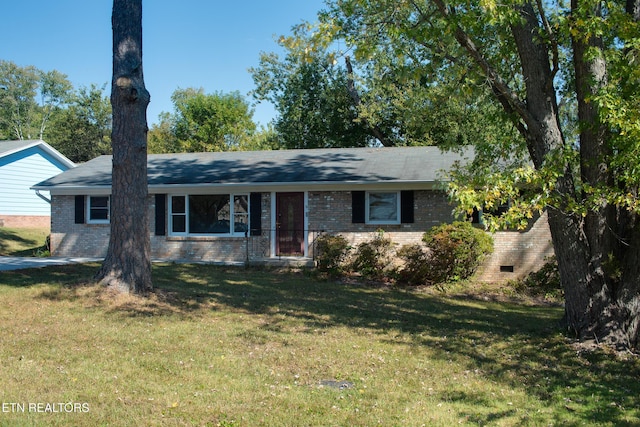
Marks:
<point>25,221</point>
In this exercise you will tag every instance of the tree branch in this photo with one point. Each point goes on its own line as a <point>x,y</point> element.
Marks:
<point>552,38</point>
<point>353,92</point>
<point>498,85</point>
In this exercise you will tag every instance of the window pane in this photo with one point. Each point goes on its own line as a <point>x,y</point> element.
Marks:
<point>99,202</point>
<point>178,204</point>
<point>179,223</point>
<point>383,207</point>
<point>209,214</point>
<point>240,213</point>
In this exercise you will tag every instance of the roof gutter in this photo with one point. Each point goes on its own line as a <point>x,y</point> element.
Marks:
<point>208,188</point>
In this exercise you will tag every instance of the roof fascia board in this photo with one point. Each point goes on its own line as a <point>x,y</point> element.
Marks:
<point>249,187</point>
<point>55,153</point>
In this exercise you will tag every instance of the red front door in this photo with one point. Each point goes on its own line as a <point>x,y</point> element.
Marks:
<point>290,224</point>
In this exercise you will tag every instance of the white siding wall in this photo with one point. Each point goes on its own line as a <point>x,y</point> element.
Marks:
<point>18,172</point>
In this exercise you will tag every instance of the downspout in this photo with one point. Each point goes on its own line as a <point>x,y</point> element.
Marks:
<point>43,197</point>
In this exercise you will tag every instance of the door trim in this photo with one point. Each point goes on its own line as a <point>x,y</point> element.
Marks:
<point>273,234</point>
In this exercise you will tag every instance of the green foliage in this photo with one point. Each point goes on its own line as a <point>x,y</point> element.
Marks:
<point>82,131</point>
<point>410,76</point>
<point>28,98</point>
<point>543,283</point>
<point>455,251</point>
<point>311,97</point>
<point>415,269</point>
<point>374,259</point>
<point>36,104</point>
<point>161,138</point>
<point>331,252</point>
<point>210,122</point>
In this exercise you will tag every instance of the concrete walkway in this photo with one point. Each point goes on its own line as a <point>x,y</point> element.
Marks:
<point>18,263</point>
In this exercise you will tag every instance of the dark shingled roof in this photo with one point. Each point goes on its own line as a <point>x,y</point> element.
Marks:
<point>281,167</point>
<point>13,146</point>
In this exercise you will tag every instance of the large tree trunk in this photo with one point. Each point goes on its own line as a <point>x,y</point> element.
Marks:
<point>598,304</point>
<point>543,134</point>
<point>589,250</point>
<point>127,266</point>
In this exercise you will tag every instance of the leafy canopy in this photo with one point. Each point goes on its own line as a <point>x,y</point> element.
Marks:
<point>423,84</point>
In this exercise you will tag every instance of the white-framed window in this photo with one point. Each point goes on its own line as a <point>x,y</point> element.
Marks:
<point>98,210</point>
<point>382,207</point>
<point>209,214</point>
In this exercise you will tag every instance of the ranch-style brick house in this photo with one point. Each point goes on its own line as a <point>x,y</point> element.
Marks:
<point>237,207</point>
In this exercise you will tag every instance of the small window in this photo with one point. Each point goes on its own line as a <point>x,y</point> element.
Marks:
<point>178,215</point>
<point>98,207</point>
<point>383,207</point>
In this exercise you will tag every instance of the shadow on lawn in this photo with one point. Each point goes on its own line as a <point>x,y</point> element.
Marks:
<point>9,236</point>
<point>509,343</point>
<point>512,343</point>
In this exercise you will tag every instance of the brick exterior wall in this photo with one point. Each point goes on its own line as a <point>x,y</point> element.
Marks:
<point>328,212</point>
<point>92,240</point>
<point>331,211</point>
<point>71,239</point>
<point>25,221</point>
<point>516,254</point>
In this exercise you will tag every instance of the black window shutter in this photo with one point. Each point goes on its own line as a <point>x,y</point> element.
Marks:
<point>161,214</point>
<point>79,210</point>
<point>406,207</point>
<point>255,213</point>
<point>358,207</point>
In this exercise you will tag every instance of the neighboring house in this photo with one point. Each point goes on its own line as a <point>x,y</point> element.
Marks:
<point>23,164</point>
<point>259,206</point>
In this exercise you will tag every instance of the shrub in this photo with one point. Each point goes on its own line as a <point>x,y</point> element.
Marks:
<point>373,259</point>
<point>415,270</point>
<point>455,251</point>
<point>331,252</point>
<point>542,283</point>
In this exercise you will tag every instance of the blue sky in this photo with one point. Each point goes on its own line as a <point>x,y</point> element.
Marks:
<point>187,43</point>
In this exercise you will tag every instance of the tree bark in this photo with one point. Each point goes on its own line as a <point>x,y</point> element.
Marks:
<point>375,130</point>
<point>127,265</point>
<point>598,303</point>
<point>543,136</point>
<point>627,308</point>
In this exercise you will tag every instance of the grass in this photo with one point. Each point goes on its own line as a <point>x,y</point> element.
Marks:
<point>23,241</point>
<point>217,346</point>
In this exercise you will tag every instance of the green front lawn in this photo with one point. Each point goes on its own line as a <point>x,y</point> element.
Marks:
<point>221,346</point>
<point>23,241</point>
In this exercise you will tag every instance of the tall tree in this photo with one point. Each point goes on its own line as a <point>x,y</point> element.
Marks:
<point>311,96</point>
<point>211,122</point>
<point>328,98</point>
<point>535,59</point>
<point>82,130</point>
<point>127,265</point>
<point>55,91</point>
<point>22,114</point>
